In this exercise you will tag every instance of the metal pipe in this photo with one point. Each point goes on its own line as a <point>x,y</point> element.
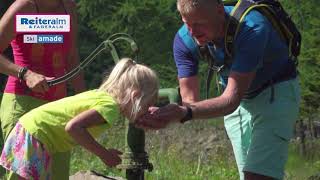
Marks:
<point>172,94</point>
<point>135,159</point>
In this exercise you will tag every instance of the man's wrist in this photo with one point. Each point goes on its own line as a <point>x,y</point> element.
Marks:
<point>188,116</point>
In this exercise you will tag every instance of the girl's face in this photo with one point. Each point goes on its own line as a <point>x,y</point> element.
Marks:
<point>127,109</point>
<point>144,109</point>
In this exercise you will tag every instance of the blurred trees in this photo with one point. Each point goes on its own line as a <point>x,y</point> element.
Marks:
<point>151,23</point>
<point>305,14</point>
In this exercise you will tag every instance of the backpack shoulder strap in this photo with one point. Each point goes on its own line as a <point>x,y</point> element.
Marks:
<point>274,12</point>
<point>198,53</point>
<point>189,41</point>
<point>230,2</point>
<point>282,22</point>
<point>233,24</point>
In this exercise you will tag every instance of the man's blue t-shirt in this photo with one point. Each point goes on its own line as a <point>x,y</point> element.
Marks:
<point>256,43</point>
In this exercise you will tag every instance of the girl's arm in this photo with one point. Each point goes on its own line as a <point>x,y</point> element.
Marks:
<point>77,128</point>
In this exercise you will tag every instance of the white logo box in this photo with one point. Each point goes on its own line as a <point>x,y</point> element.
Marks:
<point>42,23</point>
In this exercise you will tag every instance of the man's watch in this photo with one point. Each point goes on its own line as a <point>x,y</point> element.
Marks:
<point>188,116</point>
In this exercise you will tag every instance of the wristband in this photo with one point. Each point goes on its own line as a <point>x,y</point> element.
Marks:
<point>22,72</point>
<point>188,116</point>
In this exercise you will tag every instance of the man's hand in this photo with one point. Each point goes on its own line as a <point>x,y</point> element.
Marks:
<point>112,157</point>
<point>36,82</point>
<point>158,118</point>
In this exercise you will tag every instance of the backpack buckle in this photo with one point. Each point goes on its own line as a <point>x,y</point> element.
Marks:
<point>217,68</point>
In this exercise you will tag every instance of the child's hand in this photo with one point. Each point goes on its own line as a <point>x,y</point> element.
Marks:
<point>112,157</point>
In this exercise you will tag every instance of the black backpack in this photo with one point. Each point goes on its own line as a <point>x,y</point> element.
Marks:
<point>274,12</point>
<point>271,9</point>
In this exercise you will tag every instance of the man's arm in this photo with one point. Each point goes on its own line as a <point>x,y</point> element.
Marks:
<point>225,104</point>
<point>187,68</point>
<point>77,82</point>
<point>189,89</point>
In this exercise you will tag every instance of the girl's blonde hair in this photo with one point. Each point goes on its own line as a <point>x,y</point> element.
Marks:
<point>128,76</point>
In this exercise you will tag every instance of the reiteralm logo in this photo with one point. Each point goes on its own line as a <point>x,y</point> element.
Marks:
<point>42,23</point>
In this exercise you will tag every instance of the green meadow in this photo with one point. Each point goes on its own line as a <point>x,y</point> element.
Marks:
<point>186,152</point>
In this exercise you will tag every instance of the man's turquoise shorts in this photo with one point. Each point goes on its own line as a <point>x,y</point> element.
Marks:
<point>260,130</point>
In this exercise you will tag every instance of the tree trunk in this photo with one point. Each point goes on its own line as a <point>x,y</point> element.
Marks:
<point>302,138</point>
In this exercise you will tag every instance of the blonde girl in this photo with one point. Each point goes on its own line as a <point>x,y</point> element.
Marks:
<point>58,126</point>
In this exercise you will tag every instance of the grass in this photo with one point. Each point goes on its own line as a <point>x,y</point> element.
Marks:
<point>170,166</point>
<point>170,163</point>
<point>301,167</point>
<point>167,165</point>
<point>83,160</point>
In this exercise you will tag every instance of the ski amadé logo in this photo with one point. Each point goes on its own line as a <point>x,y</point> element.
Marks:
<point>42,23</point>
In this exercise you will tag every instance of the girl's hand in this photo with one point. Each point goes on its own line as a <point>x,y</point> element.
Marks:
<point>112,157</point>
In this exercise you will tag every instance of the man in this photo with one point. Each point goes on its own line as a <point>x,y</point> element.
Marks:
<point>260,102</point>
